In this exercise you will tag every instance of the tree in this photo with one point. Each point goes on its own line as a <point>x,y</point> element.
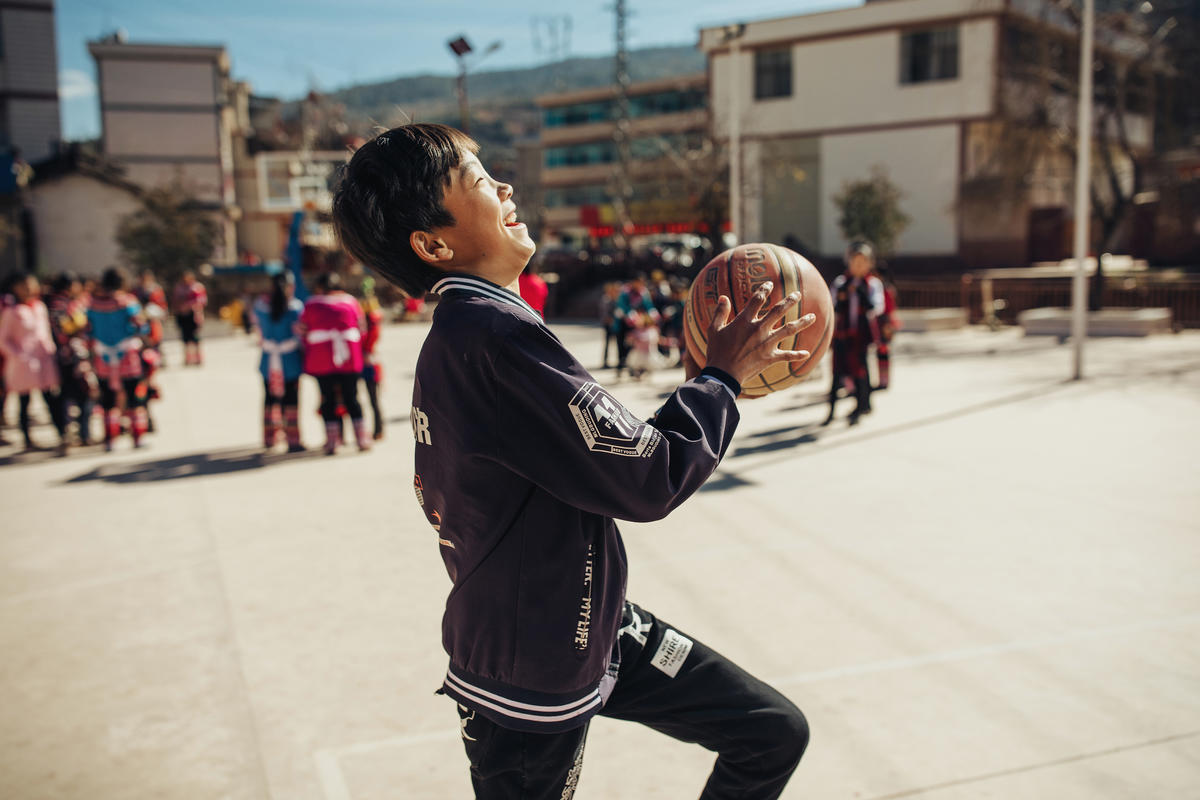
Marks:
<point>870,209</point>
<point>169,234</point>
<point>1034,142</point>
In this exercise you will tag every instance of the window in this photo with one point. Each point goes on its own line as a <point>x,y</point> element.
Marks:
<point>930,55</point>
<point>772,73</point>
<point>576,155</point>
<point>590,195</point>
<point>577,114</point>
<point>643,105</point>
<point>669,102</point>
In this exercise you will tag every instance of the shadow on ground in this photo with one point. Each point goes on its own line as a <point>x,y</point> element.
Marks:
<point>195,465</point>
<point>777,440</point>
<point>20,457</point>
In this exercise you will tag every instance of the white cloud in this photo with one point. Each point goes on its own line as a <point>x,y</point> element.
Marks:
<point>74,83</point>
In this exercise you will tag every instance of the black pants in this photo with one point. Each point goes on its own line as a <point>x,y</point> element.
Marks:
<point>623,349</point>
<point>189,331</point>
<point>372,384</point>
<point>53,401</point>
<point>608,340</point>
<point>75,392</point>
<point>135,394</point>
<point>340,387</point>
<point>756,732</point>
<point>291,395</point>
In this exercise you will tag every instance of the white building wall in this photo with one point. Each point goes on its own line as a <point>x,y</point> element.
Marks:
<point>870,15</point>
<point>76,221</point>
<point>922,162</point>
<point>29,53</point>
<point>161,133</point>
<point>33,126</point>
<point>204,181</point>
<point>148,82</point>
<point>30,66</point>
<point>854,81</point>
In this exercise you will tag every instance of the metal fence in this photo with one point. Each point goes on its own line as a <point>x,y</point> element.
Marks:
<point>1014,295</point>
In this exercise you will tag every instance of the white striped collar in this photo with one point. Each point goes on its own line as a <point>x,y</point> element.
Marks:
<point>481,287</point>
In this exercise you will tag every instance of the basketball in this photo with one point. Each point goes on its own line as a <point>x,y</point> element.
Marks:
<point>737,273</point>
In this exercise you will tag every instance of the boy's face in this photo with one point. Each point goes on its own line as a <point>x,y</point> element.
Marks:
<point>486,238</point>
<point>860,265</point>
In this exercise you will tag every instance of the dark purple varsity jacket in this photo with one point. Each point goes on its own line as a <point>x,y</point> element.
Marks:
<point>522,461</point>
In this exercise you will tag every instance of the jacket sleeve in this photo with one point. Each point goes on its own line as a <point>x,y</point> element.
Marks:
<point>564,432</point>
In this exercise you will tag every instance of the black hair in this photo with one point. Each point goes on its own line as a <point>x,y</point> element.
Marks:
<point>859,247</point>
<point>114,279</point>
<point>394,185</point>
<point>280,282</point>
<point>328,282</point>
<point>63,281</point>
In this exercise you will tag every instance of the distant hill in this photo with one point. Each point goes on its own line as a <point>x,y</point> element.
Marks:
<point>433,95</point>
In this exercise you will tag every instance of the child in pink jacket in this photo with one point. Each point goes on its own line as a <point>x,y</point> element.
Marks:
<point>333,327</point>
<point>29,355</point>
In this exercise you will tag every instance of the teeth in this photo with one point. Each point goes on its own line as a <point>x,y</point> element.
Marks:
<point>511,219</point>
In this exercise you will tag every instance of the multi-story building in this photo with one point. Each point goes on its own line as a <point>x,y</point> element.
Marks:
<point>167,114</point>
<point>29,111</point>
<point>667,119</point>
<point>917,88</point>
<point>272,185</point>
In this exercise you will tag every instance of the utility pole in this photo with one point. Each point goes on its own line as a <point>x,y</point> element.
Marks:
<point>733,35</point>
<point>621,138</point>
<point>558,33</point>
<point>460,47</point>
<point>1083,169</point>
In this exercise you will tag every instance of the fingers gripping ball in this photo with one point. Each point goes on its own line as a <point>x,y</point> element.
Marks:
<point>737,273</point>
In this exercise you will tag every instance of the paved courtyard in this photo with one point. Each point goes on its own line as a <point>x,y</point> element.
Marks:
<point>989,588</point>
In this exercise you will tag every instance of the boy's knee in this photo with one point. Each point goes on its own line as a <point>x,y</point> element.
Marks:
<point>789,734</point>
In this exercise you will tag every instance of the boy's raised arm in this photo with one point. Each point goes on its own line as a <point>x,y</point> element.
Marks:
<point>566,433</point>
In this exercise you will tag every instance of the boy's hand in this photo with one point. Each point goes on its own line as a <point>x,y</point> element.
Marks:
<point>747,344</point>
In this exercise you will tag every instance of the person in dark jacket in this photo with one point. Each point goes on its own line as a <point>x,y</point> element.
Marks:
<point>522,463</point>
<point>858,301</point>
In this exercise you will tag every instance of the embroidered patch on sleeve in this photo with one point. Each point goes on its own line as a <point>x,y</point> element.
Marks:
<point>673,651</point>
<point>609,427</point>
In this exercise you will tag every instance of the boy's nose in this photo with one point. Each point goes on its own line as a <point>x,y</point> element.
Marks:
<point>505,191</point>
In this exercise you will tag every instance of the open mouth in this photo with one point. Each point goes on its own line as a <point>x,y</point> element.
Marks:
<point>510,221</point>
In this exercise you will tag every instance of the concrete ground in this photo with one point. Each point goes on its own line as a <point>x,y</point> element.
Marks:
<point>987,589</point>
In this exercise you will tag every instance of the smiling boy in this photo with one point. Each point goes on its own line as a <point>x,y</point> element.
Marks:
<point>522,463</point>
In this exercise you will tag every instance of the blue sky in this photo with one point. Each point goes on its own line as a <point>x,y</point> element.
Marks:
<point>283,48</point>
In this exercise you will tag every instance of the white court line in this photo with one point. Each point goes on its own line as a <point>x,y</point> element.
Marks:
<point>333,780</point>
<point>328,761</point>
<point>964,654</point>
<point>113,578</point>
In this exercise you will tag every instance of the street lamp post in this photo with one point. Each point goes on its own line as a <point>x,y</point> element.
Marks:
<point>461,47</point>
<point>733,35</point>
<point>1083,210</point>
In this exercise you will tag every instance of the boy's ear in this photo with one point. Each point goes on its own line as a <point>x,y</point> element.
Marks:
<point>430,249</point>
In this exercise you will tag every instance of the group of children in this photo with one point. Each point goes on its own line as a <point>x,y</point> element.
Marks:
<point>98,345</point>
<point>81,346</point>
<point>644,318</point>
<point>330,336</point>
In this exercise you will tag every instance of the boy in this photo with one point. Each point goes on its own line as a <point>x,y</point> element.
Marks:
<point>522,461</point>
<point>858,300</point>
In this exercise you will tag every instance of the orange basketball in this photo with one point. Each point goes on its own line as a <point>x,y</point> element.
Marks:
<point>737,273</point>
